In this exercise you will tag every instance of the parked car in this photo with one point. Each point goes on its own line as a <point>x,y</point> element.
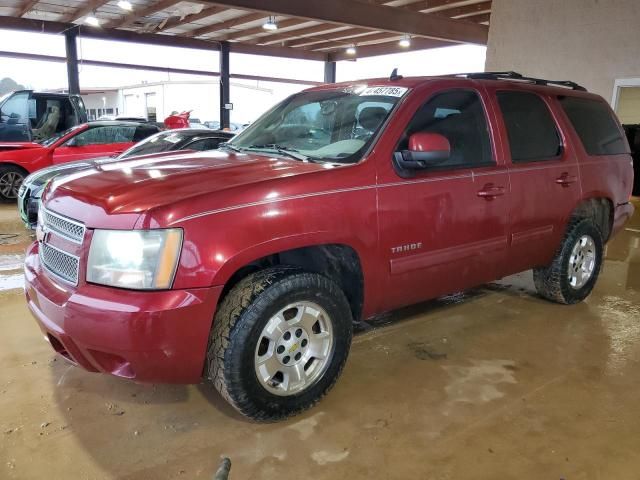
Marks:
<point>248,265</point>
<point>160,143</point>
<point>88,140</point>
<point>123,118</point>
<point>233,127</point>
<point>196,123</point>
<point>27,116</point>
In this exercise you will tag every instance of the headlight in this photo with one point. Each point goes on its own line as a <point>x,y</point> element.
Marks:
<point>136,259</point>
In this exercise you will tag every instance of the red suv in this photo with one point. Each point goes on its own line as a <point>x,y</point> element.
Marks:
<point>247,266</point>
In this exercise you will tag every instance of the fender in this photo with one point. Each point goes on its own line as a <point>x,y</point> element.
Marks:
<point>277,245</point>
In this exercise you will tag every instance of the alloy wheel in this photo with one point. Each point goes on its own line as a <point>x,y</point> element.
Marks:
<point>294,349</point>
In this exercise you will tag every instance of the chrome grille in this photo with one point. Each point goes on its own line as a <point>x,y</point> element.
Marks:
<point>66,227</point>
<point>59,263</point>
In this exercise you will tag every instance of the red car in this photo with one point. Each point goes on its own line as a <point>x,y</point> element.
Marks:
<point>85,141</point>
<point>248,266</point>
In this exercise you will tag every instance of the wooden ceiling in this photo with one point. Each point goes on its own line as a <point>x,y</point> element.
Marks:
<point>311,28</point>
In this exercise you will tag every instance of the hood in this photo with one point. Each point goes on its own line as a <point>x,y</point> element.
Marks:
<point>128,188</point>
<point>38,179</point>
<point>42,176</point>
<point>13,146</point>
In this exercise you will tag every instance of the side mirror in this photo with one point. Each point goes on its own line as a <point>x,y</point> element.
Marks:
<point>425,150</point>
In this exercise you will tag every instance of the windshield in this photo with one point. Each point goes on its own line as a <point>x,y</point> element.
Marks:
<point>158,143</point>
<point>326,125</point>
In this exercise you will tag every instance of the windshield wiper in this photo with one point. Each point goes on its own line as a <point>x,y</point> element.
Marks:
<point>230,147</point>
<point>287,151</point>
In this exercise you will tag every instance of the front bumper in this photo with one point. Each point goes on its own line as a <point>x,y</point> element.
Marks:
<point>147,336</point>
<point>622,214</point>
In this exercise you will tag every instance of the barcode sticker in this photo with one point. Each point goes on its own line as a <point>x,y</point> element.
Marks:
<point>384,91</point>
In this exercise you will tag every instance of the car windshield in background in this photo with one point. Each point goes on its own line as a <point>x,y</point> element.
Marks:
<point>158,143</point>
<point>327,125</point>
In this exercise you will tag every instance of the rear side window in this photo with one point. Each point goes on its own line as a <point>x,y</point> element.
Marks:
<point>595,125</point>
<point>531,129</point>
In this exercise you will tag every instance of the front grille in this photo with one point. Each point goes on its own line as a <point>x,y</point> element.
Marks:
<point>59,263</point>
<point>66,227</point>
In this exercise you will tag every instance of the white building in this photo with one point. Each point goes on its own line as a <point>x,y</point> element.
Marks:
<point>157,100</point>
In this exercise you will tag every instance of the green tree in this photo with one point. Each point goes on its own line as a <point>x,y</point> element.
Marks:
<point>8,84</point>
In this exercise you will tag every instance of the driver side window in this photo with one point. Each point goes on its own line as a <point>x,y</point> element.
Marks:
<point>459,116</point>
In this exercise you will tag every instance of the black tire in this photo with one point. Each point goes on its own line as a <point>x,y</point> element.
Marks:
<point>238,326</point>
<point>11,177</point>
<point>552,281</point>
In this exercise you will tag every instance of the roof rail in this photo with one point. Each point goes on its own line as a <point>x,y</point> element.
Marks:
<point>519,77</point>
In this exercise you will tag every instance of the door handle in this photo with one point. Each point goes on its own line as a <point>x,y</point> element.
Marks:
<point>566,180</point>
<point>490,191</point>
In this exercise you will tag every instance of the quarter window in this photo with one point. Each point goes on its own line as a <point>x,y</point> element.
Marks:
<point>459,116</point>
<point>595,125</point>
<point>530,127</point>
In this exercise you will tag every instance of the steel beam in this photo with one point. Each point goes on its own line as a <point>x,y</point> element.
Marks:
<point>225,91</point>
<point>329,72</point>
<point>43,26</point>
<point>152,68</point>
<point>71,49</point>
<point>377,17</point>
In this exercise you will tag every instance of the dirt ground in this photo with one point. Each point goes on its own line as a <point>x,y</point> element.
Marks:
<point>492,384</point>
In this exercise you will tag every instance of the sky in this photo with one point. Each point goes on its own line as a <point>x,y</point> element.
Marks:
<point>47,75</point>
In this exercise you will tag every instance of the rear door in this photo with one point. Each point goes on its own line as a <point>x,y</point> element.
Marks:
<point>544,176</point>
<point>96,141</point>
<point>445,228</point>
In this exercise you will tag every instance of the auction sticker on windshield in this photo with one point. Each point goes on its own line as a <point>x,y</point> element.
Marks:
<point>384,91</point>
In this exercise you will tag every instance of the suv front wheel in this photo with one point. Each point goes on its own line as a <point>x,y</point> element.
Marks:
<point>573,272</point>
<point>279,342</point>
<point>11,178</point>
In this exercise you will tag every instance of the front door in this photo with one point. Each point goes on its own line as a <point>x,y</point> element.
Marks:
<point>445,228</point>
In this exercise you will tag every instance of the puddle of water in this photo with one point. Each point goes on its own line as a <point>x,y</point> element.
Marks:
<point>11,282</point>
<point>11,262</point>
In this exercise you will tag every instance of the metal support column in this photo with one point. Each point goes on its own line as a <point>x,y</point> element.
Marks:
<point>71,48</point>
<point>225,102</point>
<point>329,72</point>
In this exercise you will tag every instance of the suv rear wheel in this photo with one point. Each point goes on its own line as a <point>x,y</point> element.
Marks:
<point>573,272</point>
<point>279,342</point>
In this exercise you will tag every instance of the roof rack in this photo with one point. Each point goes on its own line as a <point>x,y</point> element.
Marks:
<point>519,77</point>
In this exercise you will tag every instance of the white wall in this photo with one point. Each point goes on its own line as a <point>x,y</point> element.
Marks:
<point>250,99</point>
<point>591,42</point>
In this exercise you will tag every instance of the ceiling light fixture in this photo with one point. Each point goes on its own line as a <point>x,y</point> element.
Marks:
<point>270,24</point>
<point>405,42</point>
<point>92,20</point>
<point>125,5</point>
<point>351,50</point>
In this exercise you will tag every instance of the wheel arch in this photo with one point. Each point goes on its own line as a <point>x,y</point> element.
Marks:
<point>4,163</point>
<point>599,210</point>
<point>338,261</point>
